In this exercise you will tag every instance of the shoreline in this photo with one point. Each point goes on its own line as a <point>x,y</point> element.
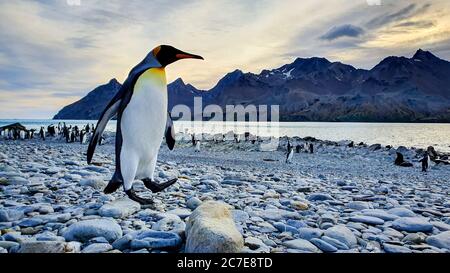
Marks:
<point>419,135</point>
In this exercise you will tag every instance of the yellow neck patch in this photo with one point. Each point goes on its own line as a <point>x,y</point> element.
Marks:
<point>153,76</point>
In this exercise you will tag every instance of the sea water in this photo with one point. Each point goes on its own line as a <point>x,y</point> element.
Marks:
<point>419,135</point>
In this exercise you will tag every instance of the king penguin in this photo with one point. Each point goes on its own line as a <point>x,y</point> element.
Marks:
<point>289,154</point>
<point>142,122</point>
<point>425,162</point>
<point>197,146</point>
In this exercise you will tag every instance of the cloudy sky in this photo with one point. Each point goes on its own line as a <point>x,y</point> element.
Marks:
<point>53,52</point>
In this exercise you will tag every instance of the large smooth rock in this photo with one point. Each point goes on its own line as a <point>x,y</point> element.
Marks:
<point>359,205</point>
<point>390,248</point>
<point>342,234</point>
<point>97,248</point>
<point>309,233</point>
<point>171,223</point>
<point>324,246</point>
<point>18,180</point>
<point>301,245</point>
<point>441,240</point>
<point>85,230</point>
<point>120,208</point>
<point>8,244</point>
<point>382,214</point>
<point>282,227</point>
<point>211,229</point>
<point>335,243</point>
<point>9,215</point>
<point>31,222</point>
<point>56,217</point>
<point>156,240</point>
<point>48,247</point>
<point>193,203</point>
<point>94,182</point>
<point>402,212</point>
<point>319,197</point>
<point>367,220</point>
<point>240,216</point>
<point>415,238</point>
<point>412,224</point>
<point>180,212</point>
<point>123,243</point>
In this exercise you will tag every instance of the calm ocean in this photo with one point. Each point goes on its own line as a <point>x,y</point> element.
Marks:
<point>419,135</point>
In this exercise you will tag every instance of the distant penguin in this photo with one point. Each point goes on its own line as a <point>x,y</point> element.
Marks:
<point>298,148</point>
<point>100,141</point>
<point>197,146</point>
<point>288,145</point>
<point>289,154</point>
<point>142,123</point>
<point>306,147</point>
<point>425,162</point>
<point>193,139</point>
<point>399,161</point>
<point>67,134</point>
<point>82,137</point>
<point>22,134</point>
<point>311,148</point>
<point>42,133</point>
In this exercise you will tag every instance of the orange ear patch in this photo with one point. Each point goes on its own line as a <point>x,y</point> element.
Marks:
<point>156,50</point>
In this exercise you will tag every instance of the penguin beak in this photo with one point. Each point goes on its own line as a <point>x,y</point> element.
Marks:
<point>184,55</point>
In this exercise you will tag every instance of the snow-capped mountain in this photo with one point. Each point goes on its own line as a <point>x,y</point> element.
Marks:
<point>314,89</point>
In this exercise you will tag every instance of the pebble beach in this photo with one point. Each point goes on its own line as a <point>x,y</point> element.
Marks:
<point>342,198</point>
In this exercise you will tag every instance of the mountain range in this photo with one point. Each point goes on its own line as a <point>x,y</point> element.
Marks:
<point>398,89</point>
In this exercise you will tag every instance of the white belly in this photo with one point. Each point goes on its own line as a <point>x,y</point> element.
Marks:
<point>143,122</point>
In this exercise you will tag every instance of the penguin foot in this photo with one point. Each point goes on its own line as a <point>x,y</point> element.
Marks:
<point>133,196</point>
<point>112,187</point>
<point>155,187</point>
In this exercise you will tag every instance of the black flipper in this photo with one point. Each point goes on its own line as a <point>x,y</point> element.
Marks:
<point>120,102</point>
<point>110,111</point>
<point>170,132</point>
<point>155,187</point>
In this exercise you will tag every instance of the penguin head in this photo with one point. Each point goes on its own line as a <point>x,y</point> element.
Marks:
<point>166,55</point>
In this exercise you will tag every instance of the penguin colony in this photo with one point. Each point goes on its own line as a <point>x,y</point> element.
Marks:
<point>69,133</point>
